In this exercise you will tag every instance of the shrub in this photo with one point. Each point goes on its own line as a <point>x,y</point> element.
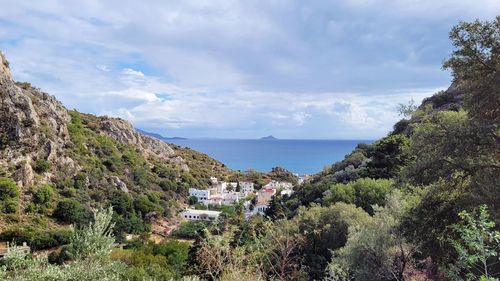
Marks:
<point>41,166</point>
<point>8,189</point>
<point>193,200</point>
<point>43,194</point>
<point>9,196</point>
<point>143,205</point>
<point>95,239</point>
<point>10,206</point>
<point>363,193</point>
<point>388,155</point>
<point>71,211</point>
<point>37,239</point>
<point>190,229</point>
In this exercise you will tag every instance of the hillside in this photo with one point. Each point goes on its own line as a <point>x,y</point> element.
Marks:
<point>78,161</point>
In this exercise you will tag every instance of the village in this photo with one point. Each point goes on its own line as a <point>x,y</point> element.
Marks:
<point>255,202</point>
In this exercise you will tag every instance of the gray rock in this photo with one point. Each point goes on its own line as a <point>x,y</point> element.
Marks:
<point>117,182</point>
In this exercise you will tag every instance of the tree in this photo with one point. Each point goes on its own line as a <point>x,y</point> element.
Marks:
<point>94,239</point>
<point>377,250</point>
<point>216,258</point>
<point>90,248</point>
<point>122,203</point>
<point>280,251</point>
<point>8,189</point>
<point>363,193</point>
<point>193,200</point>
<point>43,194</point>
<point>388,156</point>
<point>478,246</point>
<point>475,64</point>
<point>9,195</point>
<point>70,211</point>
<point>406,110</point>
<point>326,229</point>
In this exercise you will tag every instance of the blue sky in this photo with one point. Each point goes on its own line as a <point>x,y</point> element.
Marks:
<point>238,69</point>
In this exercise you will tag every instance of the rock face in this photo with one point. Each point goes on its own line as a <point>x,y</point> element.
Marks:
<point>34,129</point>
<point>450,99</point>
<point>123,132</point>
<point>119,183</point>
<point>4,66</point>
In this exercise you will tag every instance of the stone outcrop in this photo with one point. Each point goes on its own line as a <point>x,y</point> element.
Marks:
<point>34,128</point>
<point>123,132</point>
<point>118,183</point>
<point>4,66</point>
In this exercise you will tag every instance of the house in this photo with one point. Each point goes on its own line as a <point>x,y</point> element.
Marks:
<point>266,194</point>
<point>200,215</point>
<point>226,198</point>
<point>260,208</point>
<point>246,187</point>
<point>220,187</point>
<point>200,194</point>
<point>231,197</point>
<point>279,185</point>
<point>213,180</point>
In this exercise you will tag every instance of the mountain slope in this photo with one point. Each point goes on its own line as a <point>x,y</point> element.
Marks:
<point>87,161</point>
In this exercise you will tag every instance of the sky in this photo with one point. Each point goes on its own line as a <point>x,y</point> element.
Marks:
<point>238,69</point>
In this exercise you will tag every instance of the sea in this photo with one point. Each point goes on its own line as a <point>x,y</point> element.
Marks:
<point>298,156</point>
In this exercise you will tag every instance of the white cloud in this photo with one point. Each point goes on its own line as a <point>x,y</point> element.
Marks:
<point>323,69</point>
<point>301,117</point>
<point>131,72</point>
<point>103,68</point>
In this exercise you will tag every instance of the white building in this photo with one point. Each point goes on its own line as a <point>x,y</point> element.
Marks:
<point>221,187</point>
<point>279,185</point>
<point>266,194</point>
<point>200,215</point>
<point>227,198</point>
<point>231,197</point>
<point>261,208</point>
<point>246,187</point>
<point>201,194</point>
<point>213,180</point>
<point>288,192</point>
<point>233,185</point>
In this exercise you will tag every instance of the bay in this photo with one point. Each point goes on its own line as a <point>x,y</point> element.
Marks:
<point>297,156</point>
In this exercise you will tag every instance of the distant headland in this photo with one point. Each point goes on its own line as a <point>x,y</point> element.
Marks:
<point>268,138</point>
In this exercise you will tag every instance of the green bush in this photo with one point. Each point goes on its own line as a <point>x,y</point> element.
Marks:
<point>363,193</point>
<point>193,200</point>
<point>37,239</point>
<point>190,229</point>
<point>71,211</point>
<point>43,194</point>
<point>8,189</point>
<point>389,155</point>
<point>144,205</point>
<point>10,206</point>
<point>41,166</point>
<point>9,196</point>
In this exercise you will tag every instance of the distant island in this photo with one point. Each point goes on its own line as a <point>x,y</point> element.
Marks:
<point>268,138</point>
<point>158,136</point>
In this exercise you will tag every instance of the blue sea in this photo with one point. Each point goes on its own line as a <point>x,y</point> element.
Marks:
<point>297,156</point>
